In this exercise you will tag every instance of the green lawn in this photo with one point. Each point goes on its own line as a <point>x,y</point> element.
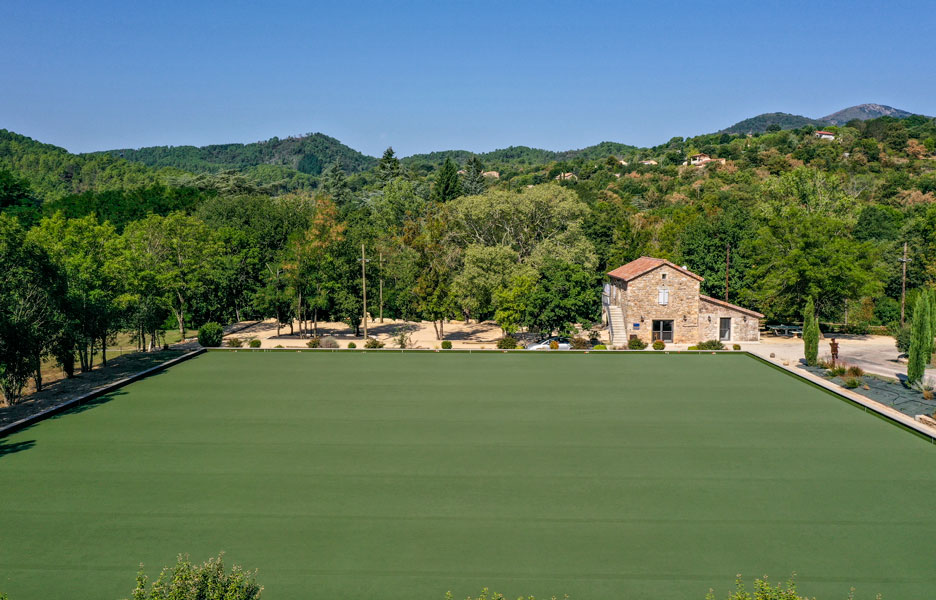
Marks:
<point>402,476</point>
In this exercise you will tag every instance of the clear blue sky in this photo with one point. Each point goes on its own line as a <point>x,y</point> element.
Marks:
<point>424,76</point>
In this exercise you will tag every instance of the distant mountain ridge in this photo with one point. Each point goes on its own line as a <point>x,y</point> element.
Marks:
<point>862,112</point>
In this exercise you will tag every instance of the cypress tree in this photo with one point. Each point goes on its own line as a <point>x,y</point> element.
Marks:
<point>335,184</point>
<point>921,340</point>
<point>810,334</point>
<point>447,186</point>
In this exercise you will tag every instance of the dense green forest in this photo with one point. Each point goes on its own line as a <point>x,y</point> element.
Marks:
<point>94,244</point>
<point>772,121</point>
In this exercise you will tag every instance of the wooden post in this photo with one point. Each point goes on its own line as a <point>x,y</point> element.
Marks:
<point>380,263</point>
<point>364,286</point>
<point>903,284</point>
<point>727,267</point>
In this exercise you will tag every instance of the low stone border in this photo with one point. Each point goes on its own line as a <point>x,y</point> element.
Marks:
<point>883,411</point>
<point>96,393</point>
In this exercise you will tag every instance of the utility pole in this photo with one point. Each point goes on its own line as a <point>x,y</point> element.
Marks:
<point>380,267</point>
<point>903,283</point>
<point>727,267</point>
<point>364,286</point>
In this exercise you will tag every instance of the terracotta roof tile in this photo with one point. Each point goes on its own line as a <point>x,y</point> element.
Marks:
<point>717,302</point>
<point>644,264</point>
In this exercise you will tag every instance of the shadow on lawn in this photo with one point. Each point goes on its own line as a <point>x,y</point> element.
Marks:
<point>12,448</point>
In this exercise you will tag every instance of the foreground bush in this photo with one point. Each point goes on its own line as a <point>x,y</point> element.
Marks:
<point>329,342</point>
<point>762,591</point>
<point>578,343</point>
<point>188,581</point>
<point>636,344</point>
<point>736,346</point>
<point>314,343</point>
<point>210,334</point>
<point>508,342</point>
<point>658,345</point>
<point>235,343</point>
<point>711,345</point>
<point>254,343</point>
<point>446,345</point>
<point>373,343</point>
<point>599,347</point>
<point>352,345</point>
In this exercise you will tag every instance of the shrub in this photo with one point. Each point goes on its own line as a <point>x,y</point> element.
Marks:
<point>837,371</point>
<point>636,343</point>
<point>278,346</point>
<point>314,343</point>
<point>373,343</point>
<point>254,343</point>
<point>927,394</point>
<point>188,581</point>
<point>599,347</point>
<point>210,334</point>
<point>508,342</point>
<point>658,345</point>
<point>858,328</point>
<point>554,345</point>
<point>696,348</point>
<point>352,345</point>
<point>901,337</point>
<point>447,345</point>
<point>855,371</point>
<point>711,345</point>
<point>402,336</point>
<point>736,346</point>
<point>810,334</point>
<point>578,343</point>
<point>165,346</point>
<point>235,343</point>
<point>328,342</point>
<point>850,382</point>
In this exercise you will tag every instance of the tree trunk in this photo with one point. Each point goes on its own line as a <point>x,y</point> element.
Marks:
<point>435,326</point>
<point>237,314</point>
<point>441,329</point>
<point>180,315</point>
<point>315,323</point>
<point>37,377</point>
<point>104,351</point>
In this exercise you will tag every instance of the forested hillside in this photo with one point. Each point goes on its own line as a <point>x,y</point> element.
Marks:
<point>768,121</point>
<point>803,218</point>
<point>264,162</point>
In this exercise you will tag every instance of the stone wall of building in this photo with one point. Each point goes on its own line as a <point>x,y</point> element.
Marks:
<point>641,304</point>
<point>744,327</point>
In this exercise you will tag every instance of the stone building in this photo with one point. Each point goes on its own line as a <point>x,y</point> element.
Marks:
<point>652,298</point>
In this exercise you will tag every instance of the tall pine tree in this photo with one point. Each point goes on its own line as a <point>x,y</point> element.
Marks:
<point>389,166</point>
<point>447,186</point>
<point>810,334</point>
<point>335,184</point>
<point>473,182</point>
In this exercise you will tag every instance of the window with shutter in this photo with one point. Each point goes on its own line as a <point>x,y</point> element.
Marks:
<point>664,296</point>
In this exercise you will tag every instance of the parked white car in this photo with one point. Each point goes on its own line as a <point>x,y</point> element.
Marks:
<point>563,342</point>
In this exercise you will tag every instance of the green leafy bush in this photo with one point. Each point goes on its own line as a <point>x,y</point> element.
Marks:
<point>762,591</point>
<point>188,581</point>
<point>658,345</point>
<point>328,342</point>
<point>901,337</point>
<point>352,345</point>
<point>599,347</point>
<point>508,342</point>
<point>711,345</point>
<point>315,342</point>
<point>858,328</point>
<point>254,343</point>
<point>235,342</point>
<point>837,371</point>
<point>692,348</point>
<point>373,343</point>
<point>578,343</point>
<point>851,382</point>
<point>210,335</point>
<point>736,346</point>
<point>636,343</point>
<point>447,345</point>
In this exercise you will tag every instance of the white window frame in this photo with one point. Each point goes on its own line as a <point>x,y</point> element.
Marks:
<point>663,296</point>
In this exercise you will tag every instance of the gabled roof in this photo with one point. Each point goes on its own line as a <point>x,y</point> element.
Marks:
<point>645,264</point>
<point>740,309</point>
<point>824,133</point>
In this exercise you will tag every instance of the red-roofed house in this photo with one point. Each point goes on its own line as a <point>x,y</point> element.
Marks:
<point>824,135</point>
<point>652,298</point>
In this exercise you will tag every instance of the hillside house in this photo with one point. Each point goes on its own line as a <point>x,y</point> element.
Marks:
<point>699,159</point>
<point>654,299</point>
<point>566,177</point>
<point>824,135</point>
<point>491,174</point>
<point>648,162</point>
